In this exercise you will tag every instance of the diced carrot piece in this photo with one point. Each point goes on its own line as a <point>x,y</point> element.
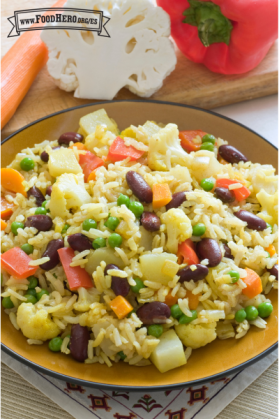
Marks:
<point>118,151</point>
<point>16,262</point>
<point>187,138</point>
<point>253,282</point>
<point>121,306</point>
<point>92,176</point>
<point>186,252</point>
<point>271,250</point>
<point>161,195</point>
<point>3,225</point>
<point>77,277</point>
<point>6,209</point>
<point>12,180</point>
<point>222,161</point>
<point>79,146</point>
<point>193,300</point>
<point>170,300</point>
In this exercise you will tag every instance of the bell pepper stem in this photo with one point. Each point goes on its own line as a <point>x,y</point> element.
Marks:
<point>213,26</point>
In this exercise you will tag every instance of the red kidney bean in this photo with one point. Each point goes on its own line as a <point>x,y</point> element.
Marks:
<point>49,190</point>
<point>209,249</point>
<point>186,274</point>
<point>139,187</point>
<point>274,271</point>
<point>45,156</point>
<point>228,252</point>
<point>67,137</point>
<point>231,154</point>
<point>39,197</point>
<point>150,221</point>
<point>177,200</point>
<point>52,252</point>
<point>155,312</point>
<point>79,242</point>
<point>253,221</point>
<point>225,195</point>
<point>40,222</point>
<point>120,286</point>
<point>79,342</point>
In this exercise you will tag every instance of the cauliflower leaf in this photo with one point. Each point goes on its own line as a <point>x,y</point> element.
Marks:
<point>36,324</point>
<point>165,150</point>
<point>196,335</point>
<point>179,228</point>
<point>138,55</point>
<point>68,192</point>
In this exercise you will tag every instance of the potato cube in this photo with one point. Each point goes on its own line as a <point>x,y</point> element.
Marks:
<point>88,123</point>
<point>169,354</point>
<point>152,264</point>
<point>170,268</point>
<point>63,161</point>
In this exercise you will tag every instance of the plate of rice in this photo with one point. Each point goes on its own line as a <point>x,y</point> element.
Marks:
<point>139,245</point>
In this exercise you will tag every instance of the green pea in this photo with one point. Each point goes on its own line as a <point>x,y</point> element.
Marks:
<point>139,285</point>
<point>234,275</point>
<point>115,240</point>
<point>131,312</point>
<point>269,226</point>
<point>267,254</point>
<point>199,229</point>
<point>88,224</point>
<point>41,293</point>
<point>155,330</point>
<point>33,282</point>
<point>27,164</point>
<point>136,208</point>
<point>7,302</point>
<point>65,228</point>
<point>40,210</point>
<point>55,344</point>
<point>123,200</point>
<point>121,355</point>
<point>15,226</point>
<point>207,146</point>
<point>240,315</point>
<point>27,248</point>
<point>30,299</point>
<point>207,184</point>
<point>208,138</point>
<point>44,204</point>
<point>186,319</point>
<point>265,309</point>
<point>112,223</point>
<point>99,242</point>
<point>176,311</point>
<point>251,313</point>
<point>31,291</point>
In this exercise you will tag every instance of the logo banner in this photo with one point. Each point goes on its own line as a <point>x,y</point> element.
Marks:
<point>65,18</point>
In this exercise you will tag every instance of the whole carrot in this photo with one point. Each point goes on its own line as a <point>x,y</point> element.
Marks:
<point>19,68</point>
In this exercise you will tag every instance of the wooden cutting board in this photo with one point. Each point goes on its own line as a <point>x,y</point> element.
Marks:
<point>190,83</point>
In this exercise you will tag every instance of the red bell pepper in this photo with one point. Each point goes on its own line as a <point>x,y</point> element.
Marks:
<point>187,138</point>
<point>16,262</point>
<point>119,151</point>
<point>186,250</point>
<point>240,194</point>
<point>76,276</point>
<point>227,36</point>
<point>89,162</point>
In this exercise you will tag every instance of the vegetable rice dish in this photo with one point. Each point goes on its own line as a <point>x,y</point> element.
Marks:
<point>137,246</point>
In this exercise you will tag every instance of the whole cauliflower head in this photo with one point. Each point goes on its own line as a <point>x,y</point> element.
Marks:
<point>196,335</point>
<point>165,150</point>
<point>36,324</point>
<point>179,228</point>
<point>137,55</point>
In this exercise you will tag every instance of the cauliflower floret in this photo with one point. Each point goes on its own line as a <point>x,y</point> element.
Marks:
<point>36,324</point>
<point>85,299</point>
<point>196,335</point>
<point>139,54</point>
<point>68,192</point>
<point>165,150</point>
<point>263,178</point>
<point>269,204</point>
<point>205,165</point>
<point>179,228</point>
